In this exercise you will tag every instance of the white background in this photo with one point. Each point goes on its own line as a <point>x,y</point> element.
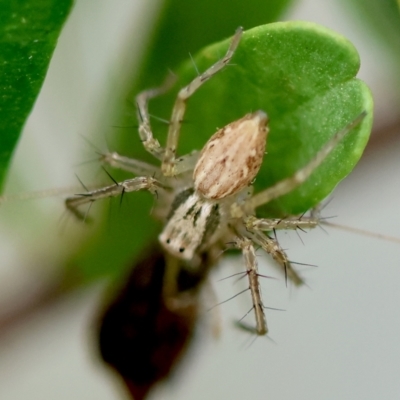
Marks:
<point>337,339</point>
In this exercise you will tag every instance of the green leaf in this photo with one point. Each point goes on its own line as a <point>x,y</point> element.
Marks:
<point>29,32</point>
<point>303,76</point>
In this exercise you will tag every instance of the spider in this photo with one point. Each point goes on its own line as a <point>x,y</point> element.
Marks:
<point>205,199</point>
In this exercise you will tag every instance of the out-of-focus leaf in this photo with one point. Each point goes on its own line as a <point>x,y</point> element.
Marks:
<point>29,30</point>
<point>381,18</point>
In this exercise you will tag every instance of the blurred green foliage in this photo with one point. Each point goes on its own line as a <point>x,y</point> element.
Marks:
<point>380,20</point>
<point>29,30</point>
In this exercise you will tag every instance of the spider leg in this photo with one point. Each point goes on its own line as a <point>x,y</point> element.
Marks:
<point>268,224</point>
<point>249,255</point>
<point>150,144</point>
<point>119,188</point>
<point>289,184</point>
<point>169,160</point>
<point>136,167</point>
<point>272,247</point>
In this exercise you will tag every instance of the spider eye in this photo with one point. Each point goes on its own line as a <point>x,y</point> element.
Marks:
<point>168,241</point>
<point>181,250</point>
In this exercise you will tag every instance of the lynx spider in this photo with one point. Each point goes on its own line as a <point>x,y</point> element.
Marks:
<point>208,194</point>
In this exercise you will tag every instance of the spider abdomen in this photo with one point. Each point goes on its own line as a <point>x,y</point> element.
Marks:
<point>232,157</point>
